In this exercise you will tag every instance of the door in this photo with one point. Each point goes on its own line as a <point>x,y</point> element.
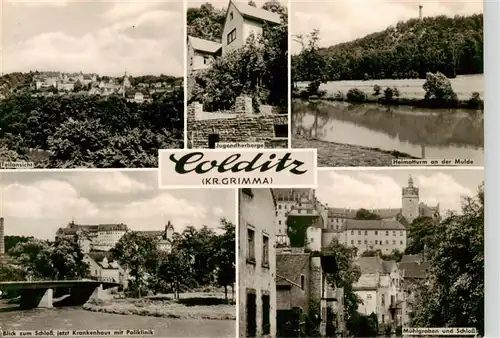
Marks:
<point>251,315</point>
<point>212,140</point>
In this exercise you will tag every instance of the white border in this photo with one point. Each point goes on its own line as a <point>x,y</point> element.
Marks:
<point>289,82</point>
<point>435,168</point>
<point>314,185</point>
<point>491,15</point>
<point>237,260</point>
<point>184,48</point>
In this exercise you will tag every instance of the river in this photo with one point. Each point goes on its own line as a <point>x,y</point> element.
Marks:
<point>78,319</point>
<point>423,133</point>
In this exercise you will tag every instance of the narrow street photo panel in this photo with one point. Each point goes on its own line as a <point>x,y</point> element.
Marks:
<point>369,253</point>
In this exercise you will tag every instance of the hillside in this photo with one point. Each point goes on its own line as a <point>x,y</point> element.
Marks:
<point>453,46</point>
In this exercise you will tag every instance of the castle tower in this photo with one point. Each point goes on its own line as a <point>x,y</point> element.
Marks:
<point>410,201</point>
<point>420,12</point>
<point>2,241</point>
<point>169,231</point>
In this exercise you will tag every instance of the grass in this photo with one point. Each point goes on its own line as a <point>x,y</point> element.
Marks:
<point>189,306</point>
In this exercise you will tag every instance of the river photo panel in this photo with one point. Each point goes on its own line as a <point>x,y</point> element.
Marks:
<point>237,74</point>
<point>107,253</point>
<point>403,88</point>
<point>365,254</point>
<point>91,84</point>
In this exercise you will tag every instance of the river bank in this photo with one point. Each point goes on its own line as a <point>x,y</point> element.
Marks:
<point>165,308</point>
<point>331,154</point>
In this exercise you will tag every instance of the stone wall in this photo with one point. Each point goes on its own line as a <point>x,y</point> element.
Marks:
<point>238,125</point>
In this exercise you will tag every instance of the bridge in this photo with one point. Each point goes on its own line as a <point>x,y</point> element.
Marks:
<point>41,293</point>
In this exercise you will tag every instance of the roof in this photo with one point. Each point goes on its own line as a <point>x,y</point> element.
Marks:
<point>411,259</point>
<point>257,13</point>
<point>104,260</point>
<point>354,224</point>
<point>291,266</point>
<point>370,265</point>
<point>152,233</point>
<point>204,45</point>
<point>414,270</point>
<point>351,213</point>
<point>291,194</point>
<point>96,227</point>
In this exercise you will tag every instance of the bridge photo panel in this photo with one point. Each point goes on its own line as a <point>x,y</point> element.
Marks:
<point>109,253</point>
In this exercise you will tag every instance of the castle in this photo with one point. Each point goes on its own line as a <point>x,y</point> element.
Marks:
<point>387,233</point>
<point>103,237</point>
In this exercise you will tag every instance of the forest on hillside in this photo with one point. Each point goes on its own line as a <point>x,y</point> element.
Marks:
<point>258,69</point>
<point>90,131</point>
<point>452,46</point>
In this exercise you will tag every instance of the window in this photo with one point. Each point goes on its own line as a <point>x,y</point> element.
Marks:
<point>279,206</point>
<point>352,232</point>
<point>231,36</point>
<point>394,233</point>
<point>359,241</point>
<point>366,232</point>
<point>251,245</point>
<point>386,242</point>
<point>231,16</point>
<point>359,232</point>
<point>394,242</point>
<point>376,242</point>
<point>376,232</point>
<point>387,233</point>
<point>279,222</point>
<point>400,233</point>
<point>368,296</point>
<point>352,242</point>
<point>401,242</point>
<point>266,319</point>
<point>383,319</point>
<point>265,250</point>
<point>206,60</point>
<point>302,281</point>
<point>383,300</point>
<point>366,242</point>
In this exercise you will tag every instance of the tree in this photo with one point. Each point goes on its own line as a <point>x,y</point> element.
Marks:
<point>78,86</point>
<point>225,256</point>
<point>176,271</point>
<point>363,214</point>
<point>421,235</point>
<point>59,260</point>
<point>139,254</point>
<point>309,61</point>
<point>454,293</point>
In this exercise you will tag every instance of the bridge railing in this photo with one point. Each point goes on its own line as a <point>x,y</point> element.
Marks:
<point>104,279</point>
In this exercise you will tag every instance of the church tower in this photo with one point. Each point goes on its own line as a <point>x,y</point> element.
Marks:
<point>410,201</point>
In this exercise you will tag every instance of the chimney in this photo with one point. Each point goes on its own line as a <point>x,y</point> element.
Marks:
<point>420,12</point>
<point>2,241</point>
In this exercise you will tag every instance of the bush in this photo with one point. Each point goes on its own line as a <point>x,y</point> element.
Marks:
<point>376,90</point>
<point>475,100</point>
<point>356,95</point>
<point>438,86</point>
<point>339,96</point>
<point>390,94</point>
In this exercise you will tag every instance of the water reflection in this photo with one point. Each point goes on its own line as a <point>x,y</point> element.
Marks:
<point>421,133</point>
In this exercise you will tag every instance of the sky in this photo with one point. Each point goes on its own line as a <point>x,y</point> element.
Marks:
<point>38,203</point>
<point>378,189</point>
<point>142,37</point>
<point>342,21</point>
<point>223,3</point>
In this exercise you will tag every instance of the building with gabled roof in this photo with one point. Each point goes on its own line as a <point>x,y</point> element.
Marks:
<point>380,289</point>
<point>241,22</point>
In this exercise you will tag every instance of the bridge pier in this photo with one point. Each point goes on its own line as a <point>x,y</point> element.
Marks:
<point>37,298</point>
